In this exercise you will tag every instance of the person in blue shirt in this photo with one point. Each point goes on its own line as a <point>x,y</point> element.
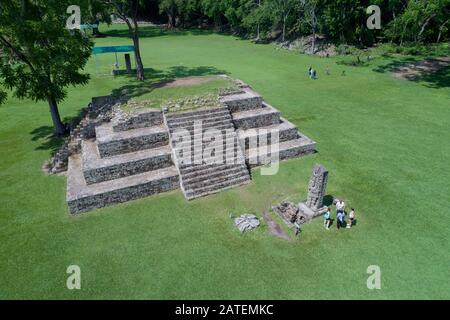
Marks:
<point>340,219</point>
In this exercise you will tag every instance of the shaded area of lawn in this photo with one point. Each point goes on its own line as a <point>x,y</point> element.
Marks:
<point>154,31</point>
<point>436,79</point>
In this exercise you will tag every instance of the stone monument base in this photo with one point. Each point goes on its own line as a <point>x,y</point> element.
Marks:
<point>293,214</point>
<point>310,213</point>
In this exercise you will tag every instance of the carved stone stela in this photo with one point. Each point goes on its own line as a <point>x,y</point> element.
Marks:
<point>317,187</point>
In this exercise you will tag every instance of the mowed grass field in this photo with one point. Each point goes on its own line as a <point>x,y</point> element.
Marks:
<point>385,142</point>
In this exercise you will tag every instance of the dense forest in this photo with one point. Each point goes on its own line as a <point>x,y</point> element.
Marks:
<point>341,21</point>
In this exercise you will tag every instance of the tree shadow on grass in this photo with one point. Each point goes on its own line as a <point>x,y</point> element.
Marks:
<point>437,80</point>
<point>158,78</point>
<point>155,31</point>
<point>395,64</point>
<point>432,79</point>
<point>48,141</point>
<point>328,200</point>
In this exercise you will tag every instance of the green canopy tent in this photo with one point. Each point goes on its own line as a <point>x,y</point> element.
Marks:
<point>110,49</point>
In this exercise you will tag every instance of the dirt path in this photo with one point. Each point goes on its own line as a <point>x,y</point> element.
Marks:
<point>274,228</point>
<point>414,70</point>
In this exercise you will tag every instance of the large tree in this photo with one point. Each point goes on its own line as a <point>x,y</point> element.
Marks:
<point>40,57</point>
<point>310,8</point>
<point>282,9</point>
<point>128,11</point>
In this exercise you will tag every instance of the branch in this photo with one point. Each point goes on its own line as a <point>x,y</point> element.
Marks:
<point>425,24</point>
<point>17,52</point>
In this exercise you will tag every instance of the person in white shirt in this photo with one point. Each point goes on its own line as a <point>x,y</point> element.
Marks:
<point>340,206</point>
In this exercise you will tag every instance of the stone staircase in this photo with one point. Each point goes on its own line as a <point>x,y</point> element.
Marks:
<point>125,162</point>
<point>259,124</point>
<point>207,151</point>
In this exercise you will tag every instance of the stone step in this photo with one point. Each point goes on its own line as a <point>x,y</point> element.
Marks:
<point>286,131</point>
<point>236,159</point>
<point>231,140</point>
<point>82,197</point>
<point>225,131</point>
<point>227,156</point>
<point>230,149</point>
<point>203,122</point>
<point>242,101</point>
<point>206,169</point>
<point>204,126</point>
<point>192,180</point>
<point>200,113</point>
<point>203,117</point>
<point>97,169</point>
<point>210,181</point>
<point>141,118</point>
<point>112,143</point>
<point>211,189</point>
<point>256,118</point>
<point>287,149</point>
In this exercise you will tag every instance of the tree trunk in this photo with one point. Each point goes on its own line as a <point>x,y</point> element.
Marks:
<point>284,29</point>
<point>257,27</point>
<point>440,31</point>
<point>171,23</point>
<point>424,25</point>
<point>59,128</point>
<point>314,39</point>
<point>137,54</point>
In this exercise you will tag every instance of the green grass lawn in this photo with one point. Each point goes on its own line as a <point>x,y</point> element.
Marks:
<point>385,142</point>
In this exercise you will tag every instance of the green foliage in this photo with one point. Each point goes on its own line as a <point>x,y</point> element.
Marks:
<point>343,21</point>
<point>40,57</point>
<point>438,49</point>
<point>421,20</point>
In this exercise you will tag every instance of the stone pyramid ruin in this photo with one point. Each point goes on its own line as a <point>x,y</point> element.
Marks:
<point>143,155</point>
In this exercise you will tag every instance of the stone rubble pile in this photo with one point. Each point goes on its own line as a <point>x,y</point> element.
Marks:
<point>290,213</point>
<point>246,222</point>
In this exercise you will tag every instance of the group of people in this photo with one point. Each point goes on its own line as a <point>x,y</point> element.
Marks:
<point>312,73</point>
<point>340,216</point>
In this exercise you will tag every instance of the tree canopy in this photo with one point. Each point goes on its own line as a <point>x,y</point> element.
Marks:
<point>40,57</point>
<point>342,21</point>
